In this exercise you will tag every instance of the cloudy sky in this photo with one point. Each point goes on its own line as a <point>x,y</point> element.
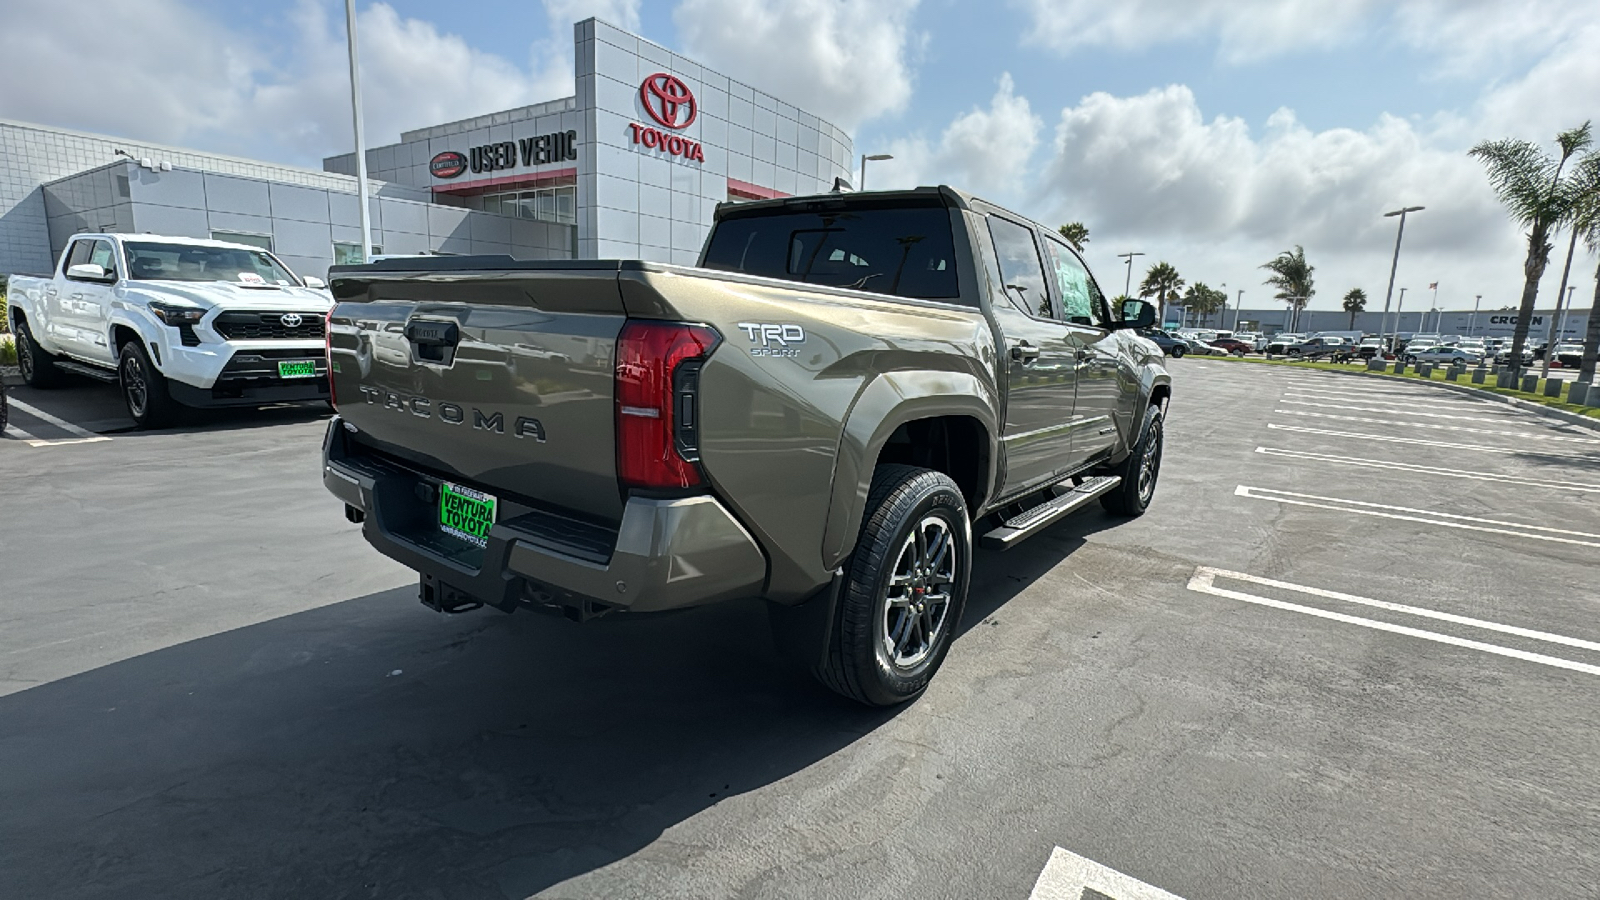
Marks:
<point>1207,133</point>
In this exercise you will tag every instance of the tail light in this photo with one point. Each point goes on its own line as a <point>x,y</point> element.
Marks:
<point>657,390</point>
<point>327,352</point>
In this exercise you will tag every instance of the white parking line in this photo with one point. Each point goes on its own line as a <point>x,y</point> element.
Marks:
<point>80,435</point>
<point>1398,410</point>
<point>1430,470</point>
<point>1523,435</point>
<point>1424,516</point>
<point>1204,578</point>
<point>1391,439</point>
<point>14,431</point>
<point>1391,399</point>
<point>1068,876</point>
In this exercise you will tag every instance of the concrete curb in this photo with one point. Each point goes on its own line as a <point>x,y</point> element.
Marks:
<point>1585,422</point>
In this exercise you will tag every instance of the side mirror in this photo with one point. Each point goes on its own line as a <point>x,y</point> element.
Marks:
<point>90,272</point>
<point>1137,314</point>
<point>313,281</point>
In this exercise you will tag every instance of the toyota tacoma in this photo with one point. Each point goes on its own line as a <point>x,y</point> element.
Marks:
<point>847,396</point>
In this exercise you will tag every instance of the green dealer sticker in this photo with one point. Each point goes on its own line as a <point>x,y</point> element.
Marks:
<point>466,513</point>
<point>299,368</point>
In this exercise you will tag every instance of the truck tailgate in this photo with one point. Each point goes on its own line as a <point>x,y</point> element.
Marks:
<point>499,380</point>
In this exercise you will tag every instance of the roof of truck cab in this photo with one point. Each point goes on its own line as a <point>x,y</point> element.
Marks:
<point>126,237</point>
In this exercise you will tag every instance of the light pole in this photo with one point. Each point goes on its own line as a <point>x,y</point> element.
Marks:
<point>1472,323</point>
<point>1563,300</point>
<point>361,133</point>
<point>1238,305</point>
<point>875,158</point>
<point>1550,334</point>
<point>1394,266</point>
<point>1127,284</point>
<point>1397,307</point>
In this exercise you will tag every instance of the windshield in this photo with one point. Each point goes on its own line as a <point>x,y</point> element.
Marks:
<point>907,252</point>
<point>189,262</point>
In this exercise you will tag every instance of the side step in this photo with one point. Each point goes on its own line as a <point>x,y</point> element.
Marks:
<point>1025,525</point>
<point>78,368</point>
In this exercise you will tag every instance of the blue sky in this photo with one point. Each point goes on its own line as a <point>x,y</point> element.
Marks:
<point>1210,133</point>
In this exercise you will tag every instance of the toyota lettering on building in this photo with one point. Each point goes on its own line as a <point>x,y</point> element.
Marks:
<point>668,101</point>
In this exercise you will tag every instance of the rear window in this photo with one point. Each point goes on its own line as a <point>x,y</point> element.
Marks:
<point>906,252</point>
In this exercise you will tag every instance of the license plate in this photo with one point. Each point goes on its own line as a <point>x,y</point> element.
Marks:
<point>466,513</point>
<point>299,368</point>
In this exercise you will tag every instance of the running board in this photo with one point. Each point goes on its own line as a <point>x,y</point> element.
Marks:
<point>1027,524</point>
<point>77,368</point>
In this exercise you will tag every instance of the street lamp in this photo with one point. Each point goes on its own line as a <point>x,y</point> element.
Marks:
<point>361,134</point>
<point>1127,284</point>
<point>1238,305</point>
<point>1393,266</point>
<point>875,158</point>
<point>1472,323</point>
<point>1556,330</point>
<point>1400,304</point>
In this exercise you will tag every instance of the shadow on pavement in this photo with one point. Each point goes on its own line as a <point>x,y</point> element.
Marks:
<point>372,748</point>
<point>98,407</point>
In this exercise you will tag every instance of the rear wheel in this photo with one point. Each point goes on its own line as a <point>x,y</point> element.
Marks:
<point>905,589</point>
<point>1239,353</point>
<point>1139,471</point>
<point>38,366</point>
<point>1177,352</point>
<point>144,389</point>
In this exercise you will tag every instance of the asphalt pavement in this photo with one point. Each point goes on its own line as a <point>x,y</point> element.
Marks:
<point>1352,650</point>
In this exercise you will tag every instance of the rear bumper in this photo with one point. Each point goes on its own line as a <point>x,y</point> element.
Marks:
<point>667,553</point>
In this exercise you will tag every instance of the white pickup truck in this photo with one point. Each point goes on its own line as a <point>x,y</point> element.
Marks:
<point>173,321</point>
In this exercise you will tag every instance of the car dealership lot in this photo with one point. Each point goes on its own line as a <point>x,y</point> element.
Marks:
<point>1352,650</point>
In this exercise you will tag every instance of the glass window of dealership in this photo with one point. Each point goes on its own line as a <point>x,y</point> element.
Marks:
<point>631,166</point>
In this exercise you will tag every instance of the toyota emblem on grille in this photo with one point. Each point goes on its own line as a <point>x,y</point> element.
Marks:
<point>290,320</point>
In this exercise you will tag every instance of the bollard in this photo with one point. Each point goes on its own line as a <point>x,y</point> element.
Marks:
<point>1377,365</point>
<point>1479,376</point>
<point>1399,367</point>
<point>1504,379</point>
<point>1530,384</point>
<point>1580,393</point>
<point>1453,373</point>
<point>1425,370</point>
<point>1552,387</point>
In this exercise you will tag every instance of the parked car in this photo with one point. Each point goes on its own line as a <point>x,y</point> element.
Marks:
<point>174,322</point>
<point>861,436</point>
<point>1201,348</point>
<point>1504,356</point>
<point>1569,355</point>
<point>1176,348</point>
<point>1335,348</point>
<point>1453,354</point>
<point>1370,348</point>
<point>1233,346</point>
<point>1279,344</point>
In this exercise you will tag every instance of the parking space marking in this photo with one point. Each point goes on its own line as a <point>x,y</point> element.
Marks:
<point>1391,439</point>
<point>1389,398</point>
<point>1430,470</point>
<point>1068,876</point>
<point>1398,410</point>
<point>79,435</point>
<point>1424,516</point>
<point>1523,435</point>
<point>1204,578</point>
<point>13,432</point>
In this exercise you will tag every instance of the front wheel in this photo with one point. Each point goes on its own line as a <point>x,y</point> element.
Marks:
<point>1177,352</point>
<point>144,389</point>
<point>38,365</point>
<point>1139,471</point>
<point>906,587</point>
<point>1239,354</point>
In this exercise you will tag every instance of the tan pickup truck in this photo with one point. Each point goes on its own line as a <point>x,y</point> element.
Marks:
<point>824,413</point>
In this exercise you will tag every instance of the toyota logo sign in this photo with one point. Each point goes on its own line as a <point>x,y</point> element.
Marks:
<point>668,100</point>
<point>290,320</point>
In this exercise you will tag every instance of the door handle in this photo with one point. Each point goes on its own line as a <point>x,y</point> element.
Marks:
<point>77,297</point>
<point>1025,353</point>
<point>1083,355</point>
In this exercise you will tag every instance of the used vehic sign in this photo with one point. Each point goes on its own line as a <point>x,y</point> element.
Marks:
<point>670,102</point>
<point>448,164</point>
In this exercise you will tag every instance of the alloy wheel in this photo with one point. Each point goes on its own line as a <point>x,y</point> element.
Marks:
<point>1150,465</point>
<point>134,386</point>
<point>916,605</point>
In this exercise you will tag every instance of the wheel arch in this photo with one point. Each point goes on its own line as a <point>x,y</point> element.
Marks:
<point>939,420</point>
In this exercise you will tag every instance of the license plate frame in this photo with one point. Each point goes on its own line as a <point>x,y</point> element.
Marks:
<point>297,368</point>
<point>467,514</point>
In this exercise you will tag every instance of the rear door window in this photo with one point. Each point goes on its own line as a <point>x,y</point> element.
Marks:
<point>1080,300</point>
<point>1020,271</point>
<point>902,251</point>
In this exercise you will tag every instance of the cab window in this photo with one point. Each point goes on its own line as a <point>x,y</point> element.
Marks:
<point>1020,271</point>
<point>1080,303</point>
<point>79,255</point>
<point>103,256</point>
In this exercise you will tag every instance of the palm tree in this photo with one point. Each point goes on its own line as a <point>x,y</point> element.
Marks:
<point>1355,301</point>
<point>1203,300</point>
<point>1291,275</point>
<point>1162,282</point>
<point>1528,182</point>
<point>1076,233</point>
<point>1586,220</point>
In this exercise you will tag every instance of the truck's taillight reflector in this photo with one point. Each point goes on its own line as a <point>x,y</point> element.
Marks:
<point>657,379</point>
<point>327,353</point>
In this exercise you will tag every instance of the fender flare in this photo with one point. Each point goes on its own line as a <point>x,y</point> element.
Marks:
<point>1150,378</point>
<point>881,406</point>
<point>143,326</point>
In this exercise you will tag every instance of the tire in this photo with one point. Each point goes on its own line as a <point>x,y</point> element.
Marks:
<point>38,366</point>
<point>1458,361</point>
<point>1132,497</point>
<point>1239,353</point>
<point>5,408</point>
<point>1177,352</point>
<point>144,390</point>
<point>1294,354</point>
<point>906,506</point>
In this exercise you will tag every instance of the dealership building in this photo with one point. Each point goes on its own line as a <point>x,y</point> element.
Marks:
<point>632,165</point>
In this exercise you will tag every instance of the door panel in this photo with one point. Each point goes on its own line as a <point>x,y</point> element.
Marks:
<point>1040,363</point>
<point>94,307</point>
<point>1094,432</point>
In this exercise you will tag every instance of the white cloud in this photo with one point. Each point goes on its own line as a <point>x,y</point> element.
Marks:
<point>844,60</point>
<point>563,13</point>
<point>985,150</point>
<point>1246,29</point>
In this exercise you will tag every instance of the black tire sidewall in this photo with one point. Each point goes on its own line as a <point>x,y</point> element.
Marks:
<point>1124,500</point>
<point>157,405</point>
<point>40,371</point>
<point>919,493</point>
<point>1177,353</point>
